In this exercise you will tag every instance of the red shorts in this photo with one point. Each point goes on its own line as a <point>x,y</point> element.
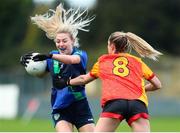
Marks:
<point>130,110</point>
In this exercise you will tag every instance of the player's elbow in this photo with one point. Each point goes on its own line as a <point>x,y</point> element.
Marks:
<point>74,60</point>
<point>156,83</point>
<point>158,86</point>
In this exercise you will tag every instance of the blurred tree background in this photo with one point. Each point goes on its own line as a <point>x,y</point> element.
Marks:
<point>157,21</point>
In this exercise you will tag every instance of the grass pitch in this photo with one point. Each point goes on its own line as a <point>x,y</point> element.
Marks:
<point>158,124</point>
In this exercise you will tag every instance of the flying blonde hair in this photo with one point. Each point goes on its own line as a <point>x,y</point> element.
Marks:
<point>62,21</point>
<point>138,44</point>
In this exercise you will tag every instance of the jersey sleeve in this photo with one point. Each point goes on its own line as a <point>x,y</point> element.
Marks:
<point>95,70</point>
<point>83,56</point>
<point>147,72</point>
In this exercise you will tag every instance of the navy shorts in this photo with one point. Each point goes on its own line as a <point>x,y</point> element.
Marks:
<point>130,110</point>
<point>78,113</point>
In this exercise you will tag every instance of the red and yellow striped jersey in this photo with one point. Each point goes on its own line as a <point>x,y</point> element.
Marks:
<point>122,77</point>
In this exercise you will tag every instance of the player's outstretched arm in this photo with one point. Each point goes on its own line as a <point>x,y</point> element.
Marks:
<point>81,80</point>
<point>67,59</point>
<point>60,83</point>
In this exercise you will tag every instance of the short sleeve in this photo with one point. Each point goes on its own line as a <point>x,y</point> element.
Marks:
<point>147,72</point>
<point>83,56</point>
<point>95,70</point>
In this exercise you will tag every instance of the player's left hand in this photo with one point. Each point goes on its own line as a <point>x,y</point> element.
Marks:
<point>24,59</point>
<point>60,83</point>
<point>41,57</point>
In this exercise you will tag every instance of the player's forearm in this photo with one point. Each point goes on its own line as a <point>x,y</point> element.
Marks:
<point>154,84</point>
<point>150,87</point>
<point>80,80</point>
<point>66,59</point>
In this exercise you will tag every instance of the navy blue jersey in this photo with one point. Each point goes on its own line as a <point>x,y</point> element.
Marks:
<point>61,98</point>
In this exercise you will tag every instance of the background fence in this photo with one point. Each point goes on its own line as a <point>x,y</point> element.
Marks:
<point>164,102</point>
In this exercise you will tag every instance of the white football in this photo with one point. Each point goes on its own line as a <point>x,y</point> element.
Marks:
<point>37,68</point>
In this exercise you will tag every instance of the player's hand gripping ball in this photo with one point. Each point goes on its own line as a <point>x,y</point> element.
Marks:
<point>35,68</point>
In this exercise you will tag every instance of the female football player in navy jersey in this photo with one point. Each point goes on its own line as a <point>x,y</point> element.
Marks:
<point>69,103</point>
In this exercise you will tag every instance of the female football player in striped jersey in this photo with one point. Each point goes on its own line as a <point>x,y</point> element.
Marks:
<point>69,103</point>
<point>123,86</point>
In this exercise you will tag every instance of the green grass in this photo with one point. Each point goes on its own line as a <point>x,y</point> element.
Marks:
<point>158,124</point>
<point>35,125</point>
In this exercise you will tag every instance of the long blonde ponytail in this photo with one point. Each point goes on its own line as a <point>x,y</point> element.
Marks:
<point>142,47</point>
